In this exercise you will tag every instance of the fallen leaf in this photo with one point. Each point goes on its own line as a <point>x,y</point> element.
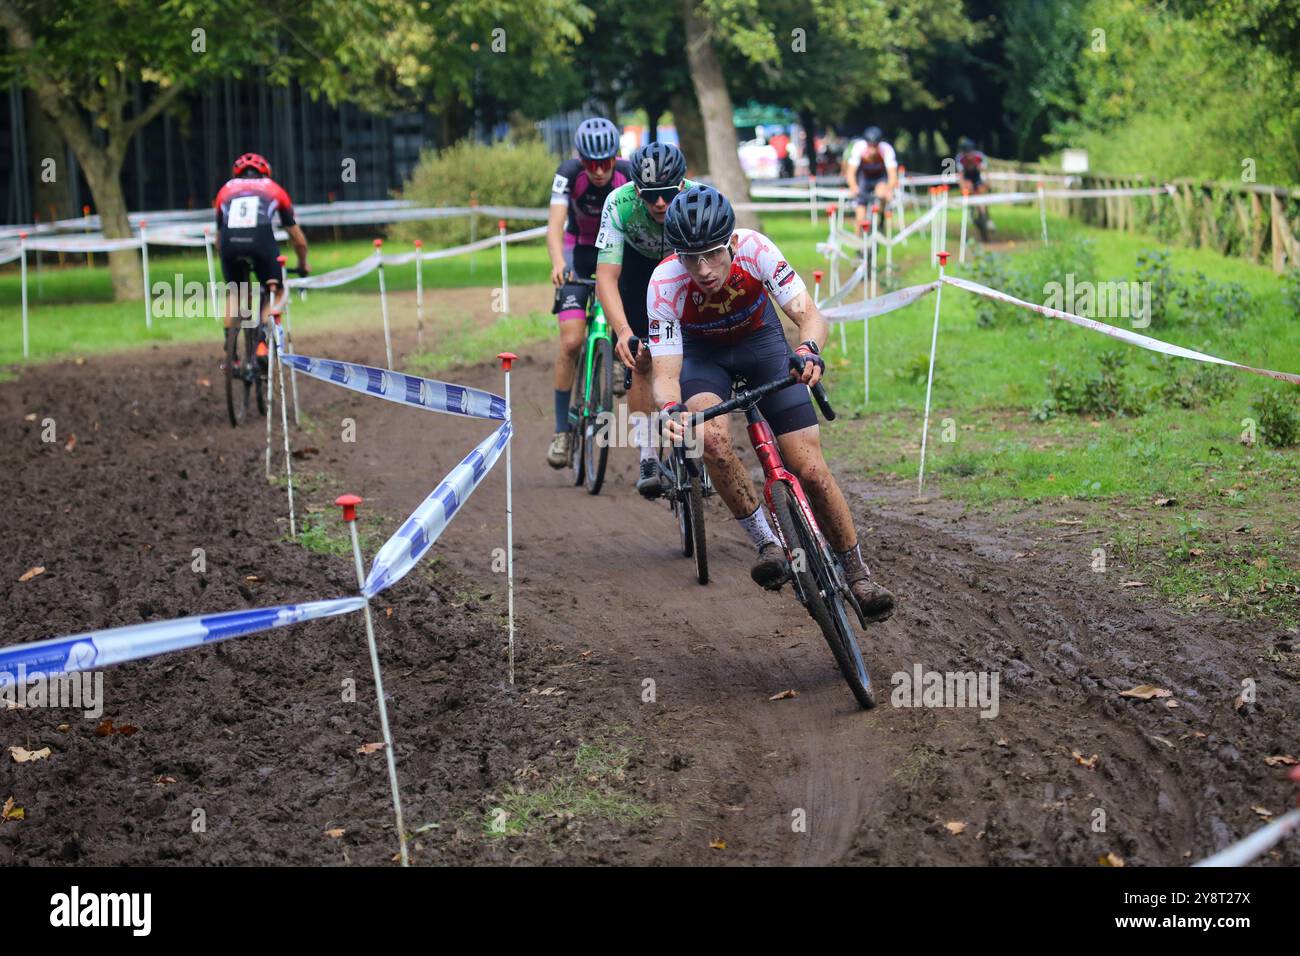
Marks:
<point>1239,703</point>
<point>388,612</point>
<point>1163,741</point>
<point>335,832</point>
<point>10,812</point>
<point>252,578</point>
<point>23,755</point>
<point>1110,859</point>
<point>1132,584</point>
<point>30,573</point>
<point>163,781</point>
<point>784,695</point>
<point>1145,692</point>
<point>717,844</point>
<point>301,453</point>
<point>1264,814</point>
<point>427,827</point>
<point>1196,552</point>
<point>1171,703</point>
<point>29,417</point>
<point>80,361</point>
<point>1198,733</point>
<point>1082,761</point>
<point>1166,502</point>
<point>1260,562</point>
<point>71,443</point>
<point>126,730</point>
<point>104,728</point>
<point>205,383</point>
<point>1281,760</point>
<point>1001,741</point>
<point>955,827</point>
<point>1069,521</point>
<point>63,728</point>
<point>370,748</point>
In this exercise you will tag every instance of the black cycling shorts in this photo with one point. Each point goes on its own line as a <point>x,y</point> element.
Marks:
<point>867,190</point>
<point>633,286</point>
<point>759,359</point>
<point>574,295</point>
<point>238,259</point>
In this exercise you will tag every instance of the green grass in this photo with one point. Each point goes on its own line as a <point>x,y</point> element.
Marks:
<point>466,344</point>
<point>590,792</point>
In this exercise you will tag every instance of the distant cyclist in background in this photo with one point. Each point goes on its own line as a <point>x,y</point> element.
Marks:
<point>631,243</point>
<point>246,237</point>
<point>577,197</point>
<point>872,169</point>
<point>971,167</point>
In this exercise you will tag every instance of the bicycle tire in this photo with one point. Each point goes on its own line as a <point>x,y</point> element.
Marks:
<point>816,589</point>
<point>694,506</point>
<point>236,385</point>
<point>677,496</point>
<point>596,429</point>
<point>259,380</point>
<point>576,424</point>
<point>982,224</point>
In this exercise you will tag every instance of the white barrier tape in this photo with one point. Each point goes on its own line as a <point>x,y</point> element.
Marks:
<point>417,534</point>
<point>855,242</point>
<point>852,282</point>
<point>82,244</point>
<point>890,302</point>
<point>489,243</point>
<point>327,280</point>
<point>1255,845</point>
<point>426,393</point>
<point>1124,335</point>
<point>10,254</point>
<point>96,649</point>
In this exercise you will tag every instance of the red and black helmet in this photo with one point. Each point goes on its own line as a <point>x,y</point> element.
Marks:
<point>252,161</point>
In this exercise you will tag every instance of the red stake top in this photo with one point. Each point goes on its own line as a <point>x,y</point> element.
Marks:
<point>349,505</point>
<point>830,210</point>
<point>378,243</point>
<point>418,244</point>
<point>817,275</point>
<point>501,224</point>
<point>875,209</point>
<point>85,210</point>
<point>506,359</point>
<point>943,258</point>
<point>22,235</point>
<point>143,224</point>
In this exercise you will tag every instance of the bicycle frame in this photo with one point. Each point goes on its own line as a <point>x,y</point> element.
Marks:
<point>774,470</point>
<point>597,328</point>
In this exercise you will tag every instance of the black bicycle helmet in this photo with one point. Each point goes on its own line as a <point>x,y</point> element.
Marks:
<point>872,135</point>
<point>658,166</point>
<point>596,138</point>
<point>698,219</point>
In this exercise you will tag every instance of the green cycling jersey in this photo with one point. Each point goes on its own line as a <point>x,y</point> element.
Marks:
<point>625,221</point>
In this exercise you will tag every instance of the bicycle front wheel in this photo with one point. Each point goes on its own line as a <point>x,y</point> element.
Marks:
<point>693,505</point>
<point>816,587</point>
<point>595,439</point>
<point>577,424</point>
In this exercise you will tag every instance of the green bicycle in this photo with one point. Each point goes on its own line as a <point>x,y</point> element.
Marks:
<point>591,405</point>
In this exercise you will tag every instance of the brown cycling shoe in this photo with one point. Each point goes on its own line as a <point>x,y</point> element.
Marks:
<point>875,603</point>
<point>771,570</point>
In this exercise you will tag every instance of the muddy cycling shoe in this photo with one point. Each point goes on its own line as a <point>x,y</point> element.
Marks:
<point>620,377</point>
<point>875,603</point>
<point>557,456</point>
<point>647,482</point>
<point>771,570</point>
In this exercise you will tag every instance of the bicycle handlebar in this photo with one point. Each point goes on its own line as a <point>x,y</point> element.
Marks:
<point>752,396</point>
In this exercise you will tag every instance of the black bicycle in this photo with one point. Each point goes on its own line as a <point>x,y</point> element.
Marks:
<point>819,580</point>
<point>247,367</point>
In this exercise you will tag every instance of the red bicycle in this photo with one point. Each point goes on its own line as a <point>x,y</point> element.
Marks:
<point>819,581</point>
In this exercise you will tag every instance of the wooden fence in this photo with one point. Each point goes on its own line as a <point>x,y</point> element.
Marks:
<point>1252,221</point>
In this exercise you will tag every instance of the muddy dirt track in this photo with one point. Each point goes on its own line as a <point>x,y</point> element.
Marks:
<point>253,732</point>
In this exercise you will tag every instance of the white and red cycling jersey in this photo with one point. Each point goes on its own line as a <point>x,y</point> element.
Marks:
<point>678,308</point>
<point>245,207</point>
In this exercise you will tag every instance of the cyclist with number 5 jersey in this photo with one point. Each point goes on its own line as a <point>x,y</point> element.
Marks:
<point>246,242</point>
<point>712,319</point>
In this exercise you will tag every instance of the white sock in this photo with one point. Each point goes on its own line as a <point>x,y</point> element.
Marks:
<point>759,531</point>
<point>641,435</point>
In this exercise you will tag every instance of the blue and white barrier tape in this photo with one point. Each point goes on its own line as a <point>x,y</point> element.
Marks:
<point>96,649</point>
<point>402,388</point>
<point>404,549</point>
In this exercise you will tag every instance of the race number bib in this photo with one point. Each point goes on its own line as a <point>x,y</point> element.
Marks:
<point>560,185</point>
<point>243,213</point>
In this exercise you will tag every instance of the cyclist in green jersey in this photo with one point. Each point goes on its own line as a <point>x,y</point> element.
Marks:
<point>630,245</point>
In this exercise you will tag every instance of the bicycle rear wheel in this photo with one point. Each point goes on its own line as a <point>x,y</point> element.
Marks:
<point>816,587</point>
<point>693,508</point>
<point>255,336</point>
<point>237,384</point>
<point>595,439</point>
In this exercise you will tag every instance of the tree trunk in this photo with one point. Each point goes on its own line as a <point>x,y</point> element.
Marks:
<point>715,107</point>
<point>690,131</point>
<point>50,200</point>
<point>652,124</point>
<point>103,173</point>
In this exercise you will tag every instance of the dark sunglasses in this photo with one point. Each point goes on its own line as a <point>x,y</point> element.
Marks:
<point>666,193</point>
<point>598,165</point>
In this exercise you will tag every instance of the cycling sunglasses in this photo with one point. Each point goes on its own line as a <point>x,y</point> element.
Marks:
<point>712,256</point>
<point>653,195</point>
<point>598,165</point>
